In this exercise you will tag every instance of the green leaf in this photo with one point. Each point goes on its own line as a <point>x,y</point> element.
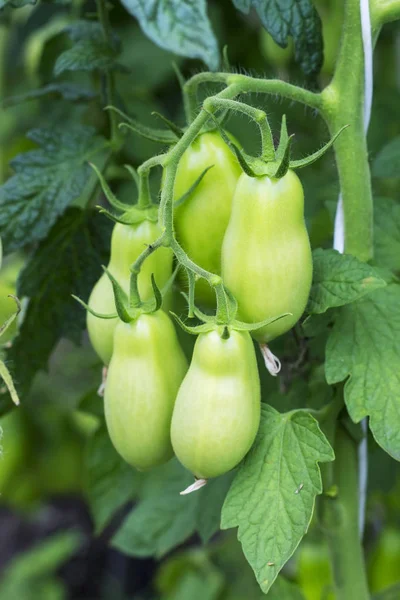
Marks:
<point>110,481</point>
<point>66,89</point>
<point>46,180</point>
<point>180,26</point>
<point>272,497</point>
<point>364,345</point>
<point>31,574</point>
<point>67,261</point>
<point>387,233</point>
<point>88,30</point>
<point>163,519</point>
<point>212,497</point>
<point>87,55</point>
<point>15,3</point>
<point>295,18</point>
<point>339,279</point>
<point>387,163</point>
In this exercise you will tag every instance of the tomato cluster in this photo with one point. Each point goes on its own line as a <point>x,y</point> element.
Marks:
<point>251,232</point>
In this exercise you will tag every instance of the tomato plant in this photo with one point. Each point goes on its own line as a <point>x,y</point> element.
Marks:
<point>217,247</point>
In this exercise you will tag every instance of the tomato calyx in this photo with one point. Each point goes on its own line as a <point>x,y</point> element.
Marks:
<point>162,136</point>
<point>278,166</point>
<point>213,323</point>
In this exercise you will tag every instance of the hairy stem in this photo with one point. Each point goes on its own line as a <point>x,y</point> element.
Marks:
<point>343,104</point>
<point>102,13</point>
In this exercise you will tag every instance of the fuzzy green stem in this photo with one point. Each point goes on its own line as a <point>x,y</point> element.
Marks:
<point>277,87</point>
<point>343,103</point>
<point>134,296</point>
<point>190,91</point>
<point>339,519</point>
<point>257,115</point>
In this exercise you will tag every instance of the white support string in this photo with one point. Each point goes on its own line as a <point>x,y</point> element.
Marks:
<point>368,92</point>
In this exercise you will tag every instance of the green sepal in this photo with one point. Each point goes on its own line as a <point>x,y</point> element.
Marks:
<point>6,377</point>
<point>240,326</point>
<point>15,314</point>
<point>113,200</point>
<point>163,136</point>
<point>133,174</point>
<point>179,75</point>
<point>186,195</point>
<point>199,313</point>
<point>195,329</point>
<point>177,131</point>
<point>190,298</point>
<point>93,312</point>
<point>226,66</point>
<point>157,294</point>
<point>232,304</point>
<point>120,297</point>
<point>132,216</point>
<point>239,154</point>
<point>304,162</point>
<point>283,139</point>
<point>285,160</point>
<point>154,304</point>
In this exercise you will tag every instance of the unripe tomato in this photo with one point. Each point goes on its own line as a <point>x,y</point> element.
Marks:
<point>266,254</point>
<point>217,411</point>
<point>146,370</point>
<point>127,242</point>
<point>201,221</point>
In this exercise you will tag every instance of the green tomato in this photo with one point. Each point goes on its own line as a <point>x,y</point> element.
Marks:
<point>384,565</point>
<point>266,254</point>
<point>201,221</point>
<point>146,370</point>
<point>217,411</point>
<point>128,241</point>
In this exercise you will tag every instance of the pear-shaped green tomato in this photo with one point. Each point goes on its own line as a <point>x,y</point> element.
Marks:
<point>127,243</point>
<point>146,370</point>
<point>201,221</point>
<point>266,254</point>
<point>217,411</point>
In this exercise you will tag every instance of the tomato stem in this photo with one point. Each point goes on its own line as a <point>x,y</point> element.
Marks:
<point>102,13</point>
<point>339,520</point>
<point>258,116</point>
